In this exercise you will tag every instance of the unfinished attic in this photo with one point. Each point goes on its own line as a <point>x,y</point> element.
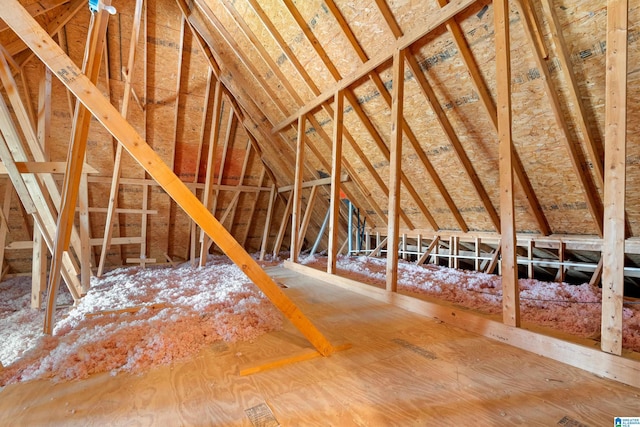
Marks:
<point>319,212</point>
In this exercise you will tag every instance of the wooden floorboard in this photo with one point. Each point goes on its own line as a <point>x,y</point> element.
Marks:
<point>402,369</point>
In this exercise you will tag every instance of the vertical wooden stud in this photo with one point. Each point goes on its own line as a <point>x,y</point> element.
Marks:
<point>509,267</point>
<point>614,176</point>
<point>297,189</point>
<point>395,170</point>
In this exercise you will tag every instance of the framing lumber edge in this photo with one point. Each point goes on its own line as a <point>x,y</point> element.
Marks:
<point>625,369</point>
<point>91,97</point>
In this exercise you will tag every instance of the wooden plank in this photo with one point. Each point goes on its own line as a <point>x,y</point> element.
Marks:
<point>4,221</point>
<point>395,170</point>
<point>377,81</point>
<point>43,217</point>
<point>283,226</point>
<point>313,183</point>
<point>252,211</point>
<point>306,219</point>
<point>297,189</point>
<point>75,158</point>
<point>207,195</point>
<point>433,245</point>
<point>431,22</point>
<point>597,274</point>
<point>117,163</point>
<point>248,64</point>
<point>45,167</point>
<point>42,45</point>
<point>336,170</point>
<point>509,267</point>
<point>267,222</point>
<point>615,164</point>
<point>381,245</point>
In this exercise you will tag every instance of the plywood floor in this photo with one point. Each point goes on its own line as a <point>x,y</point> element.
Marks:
<point>402,369</point>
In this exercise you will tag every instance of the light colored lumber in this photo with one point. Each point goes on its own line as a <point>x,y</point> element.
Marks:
<point>434,244</point>
<point>46,167</point>
<point>306,219</point>
<point>313,183</point>
<point>75,158</point>
<point>157,306</point>
<point>336,170</point>
<point>395,170</point>
<point>297,189</point>
<point>614,175</point>
<point>42,45</point>
<point>283,226</point>
<point>267,222</point>
<point>509,267</point>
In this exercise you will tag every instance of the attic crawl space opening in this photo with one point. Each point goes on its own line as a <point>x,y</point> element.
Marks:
<point>480,135</point>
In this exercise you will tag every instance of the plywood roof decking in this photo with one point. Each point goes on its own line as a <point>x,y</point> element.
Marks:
<point>276,57</point>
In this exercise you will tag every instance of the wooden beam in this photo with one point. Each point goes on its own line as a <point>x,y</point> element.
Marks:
<point>313,183</point>
<point>267,222</point>
<point>336,170</point>
<point>75,158</point>
<point>487,102</point>
<point>510,290</point>
<point>297,189</point>
<point>250,217</point>
<point>43,217</point>
<point>4,222</point>
<point>211,154</point>
<point>614,175</point>
<point>395,170</point>
<point>434,243</point>
<point>38,8</point>
<point>40,42</point>
<point>306,219</point>
<point>46,167</point>
<point>283,226</point>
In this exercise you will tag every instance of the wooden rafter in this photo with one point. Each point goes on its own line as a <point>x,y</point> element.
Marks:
<point>375,135</point>
<point>430,22</point>
<point>487,102</point>
<point>39,41</point>
<point>377,81</point>
<point>594,203</point>
<point>62,18</point>
<point>255,130</point>
<point>594,146</point>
